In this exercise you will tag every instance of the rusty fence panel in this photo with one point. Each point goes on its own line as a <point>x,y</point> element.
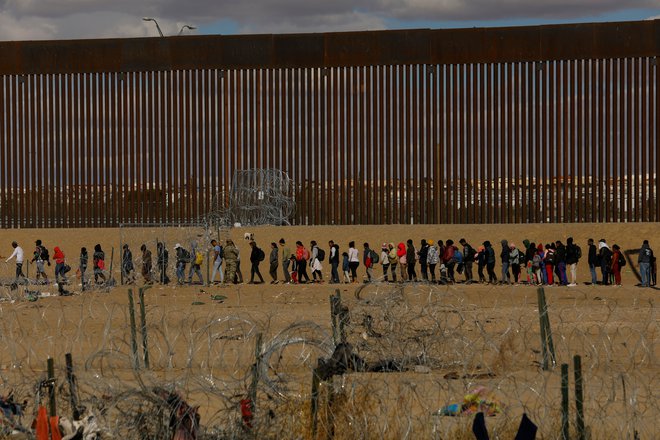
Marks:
<point>508,125</point>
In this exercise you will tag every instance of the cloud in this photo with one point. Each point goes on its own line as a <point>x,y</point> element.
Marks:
<point>59,19</point>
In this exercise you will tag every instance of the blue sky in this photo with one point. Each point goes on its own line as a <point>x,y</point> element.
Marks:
<point>71,19</point>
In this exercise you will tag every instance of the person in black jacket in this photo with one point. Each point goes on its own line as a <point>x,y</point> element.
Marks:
<point>255,258</point>
<point>573,255</point>
<point>605,260</point>
<point>592,260</point>
<point>490,262</point>
<point>504,255</point>
<point>560,263</point>
<point>334,262</point>
<point>423,258</point>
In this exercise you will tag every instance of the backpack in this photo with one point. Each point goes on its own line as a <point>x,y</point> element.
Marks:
<point>536,261</point>
<point>320,254</point>
<point>578,252</point>
<point>261,255</point>
<point>199,258</point>
<point>44,253</point>
<point>185,256</point>
<point>550,257</point>
<point>622,260</point>
<point>374,256</point>
<point>458,257</point>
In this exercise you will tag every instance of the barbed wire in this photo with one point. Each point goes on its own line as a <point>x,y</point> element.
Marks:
<point>432,345</point>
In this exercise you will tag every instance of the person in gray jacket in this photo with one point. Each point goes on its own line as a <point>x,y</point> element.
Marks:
<point>644,261</point>
<point>274,262</point>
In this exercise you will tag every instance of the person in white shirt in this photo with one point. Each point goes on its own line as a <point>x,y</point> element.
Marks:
<point>19,254</point>
<point>353,261</point>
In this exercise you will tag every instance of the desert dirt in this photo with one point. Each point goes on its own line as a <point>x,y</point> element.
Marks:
<point>464,336</point>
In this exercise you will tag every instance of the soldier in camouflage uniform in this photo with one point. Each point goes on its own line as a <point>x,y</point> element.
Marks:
<point>231,261</point>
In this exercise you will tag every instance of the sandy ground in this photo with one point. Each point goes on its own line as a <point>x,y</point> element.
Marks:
<point>469,336</point>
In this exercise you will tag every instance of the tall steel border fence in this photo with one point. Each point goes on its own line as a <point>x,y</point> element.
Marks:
<point>525,124</point>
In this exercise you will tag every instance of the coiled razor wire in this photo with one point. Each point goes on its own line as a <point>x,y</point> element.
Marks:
<point>442,345</point>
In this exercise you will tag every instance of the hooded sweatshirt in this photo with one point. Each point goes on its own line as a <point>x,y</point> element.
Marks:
<point>58,255</point>
<point>401,253</point>
<point>645,254</point>
<point>506,251</point>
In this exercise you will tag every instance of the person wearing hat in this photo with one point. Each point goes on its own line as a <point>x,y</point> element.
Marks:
<point>182,258</point>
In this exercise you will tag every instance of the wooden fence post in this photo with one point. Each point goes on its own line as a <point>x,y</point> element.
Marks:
<point>579,397</point>
<point>143,327</point>
<point>564,401</point>
<point>134,347</point>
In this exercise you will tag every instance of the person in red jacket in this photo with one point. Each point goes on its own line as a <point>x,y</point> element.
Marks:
<point>617,258</point>
<point>448,259</point>
<point>60,266</point>
<point>403,263</point>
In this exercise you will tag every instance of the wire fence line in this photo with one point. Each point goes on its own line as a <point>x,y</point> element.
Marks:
<point>423,348</point>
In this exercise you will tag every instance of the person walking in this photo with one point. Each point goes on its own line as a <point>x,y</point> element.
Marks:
<point>239,274</point>
<point>514,262</point>
<point>592,260</point>
<point>369,258</point>
<point>99,263</point>
<point>315,262</point>
<point>549,261</point>
<point>490,262</point>
<point>605,259</point>
<point>432,259</point>
<point>334,262</point>
<point>274,262</point>
<point>60,266</point>
<point>217,262</point>
<point>286,260</point>
<point>573,255</point>
<point>256,257</point>
<point>346,267</point>
<point>127,268</point>
<point>505,258</point>
<point>423,259</point>
<point>618,261</point>
<point>411,258</point>
<point>468,260</point>
<point>481,263</point>
<point>385,261</point>
<point>530,251</point>
<point>393,258</point>
<point>82,268</point>
<point>19,255</point>
<point>302,257</point>
<point>163,257</point>
<point>231,261</point>
<point>644,261</point>
<point>560,262</point>
<point>147,263</point>
<point>403,263</point>
<point>353,261</point>
<point>41,257</point>
<point>196,260</point>
<point>182,258</point>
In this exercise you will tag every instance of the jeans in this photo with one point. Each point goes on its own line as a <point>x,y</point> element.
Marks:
<point>386,267</point>
<point>180,271</point>
<point>605,272</point>
<point>194,269</point>
<point>594,277</point>
<point>334,273</point>
<point>468,270</point>
<point>273,270</point>
<point>254,270</point>
<point>217,268</point>
<point>505,272</point>
<point>425,275</point>
<point>561,268</point>
<point>370,273</point>
<point>285,269</point>
<point>645,272</point>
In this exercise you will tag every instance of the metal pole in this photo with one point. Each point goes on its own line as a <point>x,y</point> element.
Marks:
<point>579,397</point>
<point>134,347</point>
<point>51,390</point>
<point>73,392</point>
<point>564,401</point>
<point>143,328</point>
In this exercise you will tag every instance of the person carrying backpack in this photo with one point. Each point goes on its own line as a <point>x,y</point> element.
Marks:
<point>41,257</point>
<point>274,262</point>
<point>432,259</point>
<point>490,262</point>
<point>449,260</point>
<point>147,263</point>
<point>423,259</point>
<point>256,257</point>
<point>560,263</point>
<point>302,256</point>
<point>314,258</point>
<point>127,266</point>
<point>99,263</point>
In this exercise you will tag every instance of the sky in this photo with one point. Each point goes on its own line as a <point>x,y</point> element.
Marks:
<point>75,19</point>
